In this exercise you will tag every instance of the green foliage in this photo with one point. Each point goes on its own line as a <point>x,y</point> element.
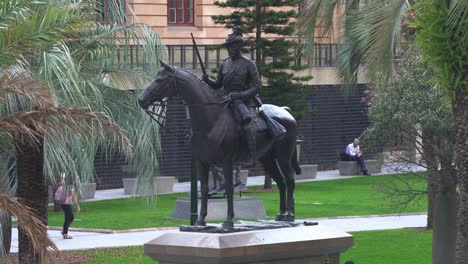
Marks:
<point>410,108</point>
<point>441,36</point>
<point>275,57</point>
<point>24,29</point>
<point>79,63</point>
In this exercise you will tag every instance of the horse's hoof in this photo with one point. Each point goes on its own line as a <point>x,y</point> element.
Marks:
<point>200,223</point>
<point>280,217</point>
<point>289,217</point>
<point>228,224</point>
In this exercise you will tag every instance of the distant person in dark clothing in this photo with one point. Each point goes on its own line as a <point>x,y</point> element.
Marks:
<point>355,154</point>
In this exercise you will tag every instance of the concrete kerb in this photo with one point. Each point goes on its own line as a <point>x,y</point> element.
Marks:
<point>109,231</point>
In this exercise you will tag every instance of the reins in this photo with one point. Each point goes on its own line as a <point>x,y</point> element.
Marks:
<point>158,109</point>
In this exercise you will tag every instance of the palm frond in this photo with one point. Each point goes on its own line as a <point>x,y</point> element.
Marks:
<point>14,10</point>
<point>39,30</point>
<point>458,19</point>
<point>369,32</point>
<point>31,225</point>
<point>21,84</point>
<point>318,20</point>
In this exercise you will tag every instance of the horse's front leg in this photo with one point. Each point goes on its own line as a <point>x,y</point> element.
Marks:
<point>227,169</point>
<point>202,170</point>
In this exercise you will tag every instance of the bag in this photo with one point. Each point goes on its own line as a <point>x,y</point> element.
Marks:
<point>60,195</point>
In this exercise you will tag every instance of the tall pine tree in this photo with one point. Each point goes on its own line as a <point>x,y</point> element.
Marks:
<point>270,25</point>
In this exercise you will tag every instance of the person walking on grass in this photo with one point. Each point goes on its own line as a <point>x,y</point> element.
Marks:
<point>66,196</point>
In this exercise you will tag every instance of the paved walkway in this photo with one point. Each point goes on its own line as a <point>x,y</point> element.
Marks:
<point>83,239</point>
<point>90,240</point>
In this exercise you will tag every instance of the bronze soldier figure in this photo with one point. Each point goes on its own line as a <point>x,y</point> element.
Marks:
<point>239,75</point>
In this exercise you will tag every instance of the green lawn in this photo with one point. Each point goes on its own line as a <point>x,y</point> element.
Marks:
<point>133,255</point>
<point>343,197</point>
<point>400,246</point>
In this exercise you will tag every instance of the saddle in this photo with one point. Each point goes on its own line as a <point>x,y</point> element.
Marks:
<point>263,124</point>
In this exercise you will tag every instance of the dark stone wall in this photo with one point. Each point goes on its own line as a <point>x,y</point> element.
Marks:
<point>108,170</point>
<point>332,122</point>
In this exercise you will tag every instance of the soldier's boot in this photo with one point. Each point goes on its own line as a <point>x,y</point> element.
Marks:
<point>251,144</point>
<point>244,113</point>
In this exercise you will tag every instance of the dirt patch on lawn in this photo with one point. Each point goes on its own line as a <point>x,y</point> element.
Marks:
<point>59,257</point>
<point>261,191</point>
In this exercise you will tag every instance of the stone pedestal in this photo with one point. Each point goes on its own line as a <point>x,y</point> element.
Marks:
<point>162,185</point>
<point>295,245</point>
<point>349,168</point>
<point>244,207</point>
<point>307,172</point>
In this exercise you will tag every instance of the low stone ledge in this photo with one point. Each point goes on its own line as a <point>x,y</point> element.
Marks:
<point>349,168</point>
<point>163,184</point>
<point>308,172</point>
<point>244,207</point>
<point>87,191</point>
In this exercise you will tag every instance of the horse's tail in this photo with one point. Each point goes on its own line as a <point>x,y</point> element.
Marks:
<point>295,163</point>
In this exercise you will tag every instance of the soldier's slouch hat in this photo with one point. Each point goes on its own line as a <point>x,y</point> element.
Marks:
<point>234,37</point>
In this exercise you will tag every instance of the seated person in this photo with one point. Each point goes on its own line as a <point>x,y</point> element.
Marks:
<point>355,154</point>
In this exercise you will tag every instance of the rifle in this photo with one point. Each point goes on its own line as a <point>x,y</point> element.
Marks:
<point>195,47</point>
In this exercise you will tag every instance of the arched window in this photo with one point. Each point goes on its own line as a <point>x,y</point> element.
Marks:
<point>180,12</point>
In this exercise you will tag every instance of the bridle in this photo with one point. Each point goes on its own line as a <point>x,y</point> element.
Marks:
<point>158,109</point>
<point>152,110</point>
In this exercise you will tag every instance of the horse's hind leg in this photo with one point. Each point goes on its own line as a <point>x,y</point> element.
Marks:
<point>284,165</point>
<point>202,170</point>
<point>270,166</point>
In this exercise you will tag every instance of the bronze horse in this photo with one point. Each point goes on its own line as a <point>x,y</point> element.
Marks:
<point>210,117</point>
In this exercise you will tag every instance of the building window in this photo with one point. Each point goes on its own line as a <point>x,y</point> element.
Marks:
<point>180,12</point>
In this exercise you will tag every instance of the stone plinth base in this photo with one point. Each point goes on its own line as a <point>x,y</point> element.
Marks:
<point>162,185</point>
<point>348,168</point>
<point>244,207</point>
<point>307,172</point>
<point>296,245</point>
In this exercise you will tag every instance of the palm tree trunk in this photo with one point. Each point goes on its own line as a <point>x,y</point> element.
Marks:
<point>444,232</point>
<point>32,190</point>
<point>431,174</point>
<point>460,115</point>
<point>6,231</point>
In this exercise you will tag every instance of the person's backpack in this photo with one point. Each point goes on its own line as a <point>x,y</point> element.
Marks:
<point>60,195</point>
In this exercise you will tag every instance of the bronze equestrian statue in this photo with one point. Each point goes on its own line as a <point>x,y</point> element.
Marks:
<point>217,133</point>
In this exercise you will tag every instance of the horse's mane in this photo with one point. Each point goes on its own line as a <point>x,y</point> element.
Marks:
<point>205,85</point>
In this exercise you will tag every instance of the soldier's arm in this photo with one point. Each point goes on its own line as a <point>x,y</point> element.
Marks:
<point>254,84</point>
<point>219,80</point>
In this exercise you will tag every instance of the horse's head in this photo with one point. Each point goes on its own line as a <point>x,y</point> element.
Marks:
<point>161,87</point>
